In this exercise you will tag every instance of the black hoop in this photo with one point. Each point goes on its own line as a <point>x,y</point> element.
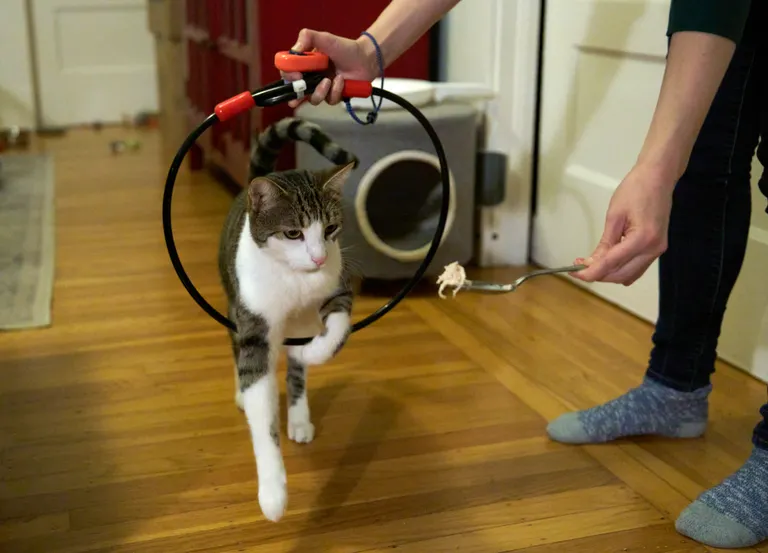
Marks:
<point>375,316</point>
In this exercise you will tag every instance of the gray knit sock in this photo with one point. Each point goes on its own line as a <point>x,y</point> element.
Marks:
<point>649,409</point>
<point>734,513</point>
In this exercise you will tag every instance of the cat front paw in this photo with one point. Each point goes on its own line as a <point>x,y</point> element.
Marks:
<point>301,432</point>
<point>322,348</point>
<point>319,351</point>
<point>273,498</point>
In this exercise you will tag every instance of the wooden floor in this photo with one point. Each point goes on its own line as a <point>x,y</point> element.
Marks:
<point>119,432</point>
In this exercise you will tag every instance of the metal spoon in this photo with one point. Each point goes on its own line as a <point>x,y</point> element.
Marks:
<point>495,288</point>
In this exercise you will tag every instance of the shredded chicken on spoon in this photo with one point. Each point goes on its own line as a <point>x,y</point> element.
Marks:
<point>453,276</point>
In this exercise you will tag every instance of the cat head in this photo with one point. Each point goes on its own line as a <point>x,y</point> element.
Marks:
<point>296,215</point>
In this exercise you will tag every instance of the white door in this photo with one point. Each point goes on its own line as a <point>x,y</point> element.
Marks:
<point>95,60</point>
<point>603,66</point>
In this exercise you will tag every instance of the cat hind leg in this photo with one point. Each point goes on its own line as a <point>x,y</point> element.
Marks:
<point>238,392</point>
<point>300,427</point>
<point>236,355</point>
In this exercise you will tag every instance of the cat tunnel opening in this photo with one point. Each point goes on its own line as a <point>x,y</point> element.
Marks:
<point>397,204</point>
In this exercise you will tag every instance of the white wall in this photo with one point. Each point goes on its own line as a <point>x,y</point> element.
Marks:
<point>495,42</point>
<point>467,42</point>
<point>17,101</point>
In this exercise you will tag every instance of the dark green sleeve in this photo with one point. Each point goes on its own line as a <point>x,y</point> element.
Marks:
<point>725,18</point>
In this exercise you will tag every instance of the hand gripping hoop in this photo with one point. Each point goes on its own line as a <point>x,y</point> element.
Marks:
<point>311,64</point>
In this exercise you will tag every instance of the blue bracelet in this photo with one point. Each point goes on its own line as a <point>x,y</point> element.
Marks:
<point>372,115</point>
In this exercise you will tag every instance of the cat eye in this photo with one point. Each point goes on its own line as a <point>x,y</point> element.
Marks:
<point>330,229</point>
<point>293,234</point>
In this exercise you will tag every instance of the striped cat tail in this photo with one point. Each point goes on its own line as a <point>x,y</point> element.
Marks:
<point>270,142</point>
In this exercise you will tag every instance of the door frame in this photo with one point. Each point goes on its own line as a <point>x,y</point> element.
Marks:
<point>494,43</point>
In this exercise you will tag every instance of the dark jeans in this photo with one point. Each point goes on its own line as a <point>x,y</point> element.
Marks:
<point>710,221</point>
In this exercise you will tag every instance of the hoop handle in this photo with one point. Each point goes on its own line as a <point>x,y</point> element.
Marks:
<point>290,61</point>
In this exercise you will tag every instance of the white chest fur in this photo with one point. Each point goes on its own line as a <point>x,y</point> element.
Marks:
<point>280,294</point>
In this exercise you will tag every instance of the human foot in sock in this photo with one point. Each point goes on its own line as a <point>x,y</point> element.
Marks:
<point>733,514</point>
<point>649,409</point>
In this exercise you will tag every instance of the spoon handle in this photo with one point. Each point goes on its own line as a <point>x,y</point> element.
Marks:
<point>540,272</point>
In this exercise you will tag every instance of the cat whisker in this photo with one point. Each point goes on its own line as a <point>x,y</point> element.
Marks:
<point>353,267</point>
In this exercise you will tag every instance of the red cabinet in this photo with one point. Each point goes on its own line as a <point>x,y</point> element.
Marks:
<point>230,47</point>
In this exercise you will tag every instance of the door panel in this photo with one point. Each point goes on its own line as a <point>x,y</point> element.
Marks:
<point>603,65</point>
<point>95,60</point>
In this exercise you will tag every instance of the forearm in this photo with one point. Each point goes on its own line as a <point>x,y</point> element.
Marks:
<point>401,24</point>
<point>695,67</point>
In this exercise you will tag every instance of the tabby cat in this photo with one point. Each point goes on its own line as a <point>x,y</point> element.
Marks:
<point>281,266</point>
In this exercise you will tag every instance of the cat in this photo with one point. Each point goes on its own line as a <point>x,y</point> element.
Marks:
<point>281,266</point>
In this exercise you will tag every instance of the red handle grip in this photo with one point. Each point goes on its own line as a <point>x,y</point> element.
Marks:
<point>357,89</point>
<point>234,105</point>
<point>301,63</point>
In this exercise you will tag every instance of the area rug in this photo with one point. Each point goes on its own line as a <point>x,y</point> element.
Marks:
<point>27,253</point>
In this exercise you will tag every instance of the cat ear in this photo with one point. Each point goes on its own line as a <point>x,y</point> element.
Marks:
<point>338,176</point>
<point>263,193</point>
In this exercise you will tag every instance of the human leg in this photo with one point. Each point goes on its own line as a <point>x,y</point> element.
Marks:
<point>735,512</point>
<point>760,435</point>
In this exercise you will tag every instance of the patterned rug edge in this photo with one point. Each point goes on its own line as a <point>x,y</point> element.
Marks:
<point>43,304</point>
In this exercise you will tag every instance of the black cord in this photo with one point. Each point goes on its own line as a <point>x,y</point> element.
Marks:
<point>373,317</point>
<point>170,244</point>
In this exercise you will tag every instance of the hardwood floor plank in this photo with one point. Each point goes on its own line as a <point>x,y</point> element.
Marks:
<point>658,539</point>
<point>554,528</point>
<point>34,526</point>
<point>397,523</point>
<point>379,520</point>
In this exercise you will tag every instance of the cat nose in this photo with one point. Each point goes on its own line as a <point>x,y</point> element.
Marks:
<point>318,260</point>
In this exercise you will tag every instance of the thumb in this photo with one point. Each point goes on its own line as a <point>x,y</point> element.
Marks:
<point>314,40</point>
<point>612,233</point>
<point>303,41</point>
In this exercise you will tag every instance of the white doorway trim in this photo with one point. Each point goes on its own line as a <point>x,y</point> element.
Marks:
<point>496,43</point>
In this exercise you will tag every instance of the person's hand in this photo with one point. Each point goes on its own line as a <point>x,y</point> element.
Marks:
<point>350,59</point>
<point>636,228</point>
